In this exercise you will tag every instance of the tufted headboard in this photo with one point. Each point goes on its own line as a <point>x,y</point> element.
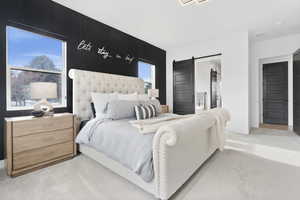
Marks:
<point>86,82</point>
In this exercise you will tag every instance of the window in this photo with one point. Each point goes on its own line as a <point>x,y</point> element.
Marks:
<point>32,58</point>
<point>147,73</point>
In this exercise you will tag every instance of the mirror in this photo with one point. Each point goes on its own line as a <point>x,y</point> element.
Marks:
<point>208,81</point>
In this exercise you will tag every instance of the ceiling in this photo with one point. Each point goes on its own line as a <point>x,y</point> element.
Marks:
<point>167,24</point>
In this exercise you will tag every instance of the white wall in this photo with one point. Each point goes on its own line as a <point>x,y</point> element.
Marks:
<point>235,72</point>
<point>275,49</point>
<point>1,164</point>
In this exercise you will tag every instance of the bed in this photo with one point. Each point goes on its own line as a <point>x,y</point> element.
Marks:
<point>178,150</point>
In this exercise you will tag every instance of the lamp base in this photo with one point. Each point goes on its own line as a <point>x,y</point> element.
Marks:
<point>45,107</point>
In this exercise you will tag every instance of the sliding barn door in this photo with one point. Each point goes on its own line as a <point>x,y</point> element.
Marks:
<point>184,87</point>
<point>297,92</point>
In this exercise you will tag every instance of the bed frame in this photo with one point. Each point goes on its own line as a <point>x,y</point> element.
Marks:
<point>178,150</point>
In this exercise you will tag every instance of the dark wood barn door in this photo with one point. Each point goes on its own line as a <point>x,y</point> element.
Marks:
<point>297,92</point>
<point>275,93</point>
<point>183,85</point>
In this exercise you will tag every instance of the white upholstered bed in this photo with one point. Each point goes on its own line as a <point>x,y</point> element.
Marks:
<point>178,149</point>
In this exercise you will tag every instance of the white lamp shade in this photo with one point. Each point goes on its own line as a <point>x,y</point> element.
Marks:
<point>43,90</point>
<point>153,93</point>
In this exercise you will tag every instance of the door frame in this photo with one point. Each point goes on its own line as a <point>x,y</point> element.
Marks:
<point>284,58</point>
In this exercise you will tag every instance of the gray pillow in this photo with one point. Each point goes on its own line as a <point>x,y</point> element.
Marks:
<point>154,102</point>
<point>121,109</point>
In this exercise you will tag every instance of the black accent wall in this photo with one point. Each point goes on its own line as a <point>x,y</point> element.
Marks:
<point>45,16</point>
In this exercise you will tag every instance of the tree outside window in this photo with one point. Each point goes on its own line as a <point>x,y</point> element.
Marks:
<point>147,73</point>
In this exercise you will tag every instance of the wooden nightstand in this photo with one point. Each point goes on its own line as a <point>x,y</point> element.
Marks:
<point>33,143</point>
<point>164,108</point>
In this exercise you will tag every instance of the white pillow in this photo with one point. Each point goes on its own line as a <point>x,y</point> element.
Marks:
<point>101,100</point>
<point>128,97</point>
<point>143,97</point>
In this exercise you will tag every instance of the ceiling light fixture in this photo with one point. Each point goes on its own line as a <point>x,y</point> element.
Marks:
<point>279,22</point>
<point>202,1</point>
<point>189,2</point>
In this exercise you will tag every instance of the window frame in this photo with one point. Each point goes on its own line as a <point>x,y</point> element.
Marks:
<point>9,68</point>
<point>149,63</point>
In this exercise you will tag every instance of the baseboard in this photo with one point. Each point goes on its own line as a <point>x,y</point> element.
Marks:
<point>1,164</point>
<point>274,153</point>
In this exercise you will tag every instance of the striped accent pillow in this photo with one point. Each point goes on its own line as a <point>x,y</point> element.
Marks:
<point>145,112</point>
<point>153,109</point>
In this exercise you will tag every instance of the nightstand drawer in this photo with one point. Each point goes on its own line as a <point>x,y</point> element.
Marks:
<point>164,108</point>
<point>33,157</point>
<point>38,125</point>
<point>29,142</point>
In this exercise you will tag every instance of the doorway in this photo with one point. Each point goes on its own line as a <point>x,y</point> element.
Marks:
<point>275,95</point>
<point>296,100</point>
<point>213,88</point>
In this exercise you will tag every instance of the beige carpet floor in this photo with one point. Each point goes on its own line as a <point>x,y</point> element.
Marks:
<point>228,175</point>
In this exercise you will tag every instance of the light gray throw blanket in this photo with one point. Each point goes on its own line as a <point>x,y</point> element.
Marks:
<point>120,141</point>
<point>217,117</point>
<point>148,126</point>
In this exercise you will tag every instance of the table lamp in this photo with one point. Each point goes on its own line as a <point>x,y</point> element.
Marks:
<point>43,91</point>
<point>153,93</point>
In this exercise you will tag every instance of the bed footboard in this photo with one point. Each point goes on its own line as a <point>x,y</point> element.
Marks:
<point>178,151</point>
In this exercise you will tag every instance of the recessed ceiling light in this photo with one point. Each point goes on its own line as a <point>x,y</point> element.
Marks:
<point>279,22</point>
<point>188,2</point>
